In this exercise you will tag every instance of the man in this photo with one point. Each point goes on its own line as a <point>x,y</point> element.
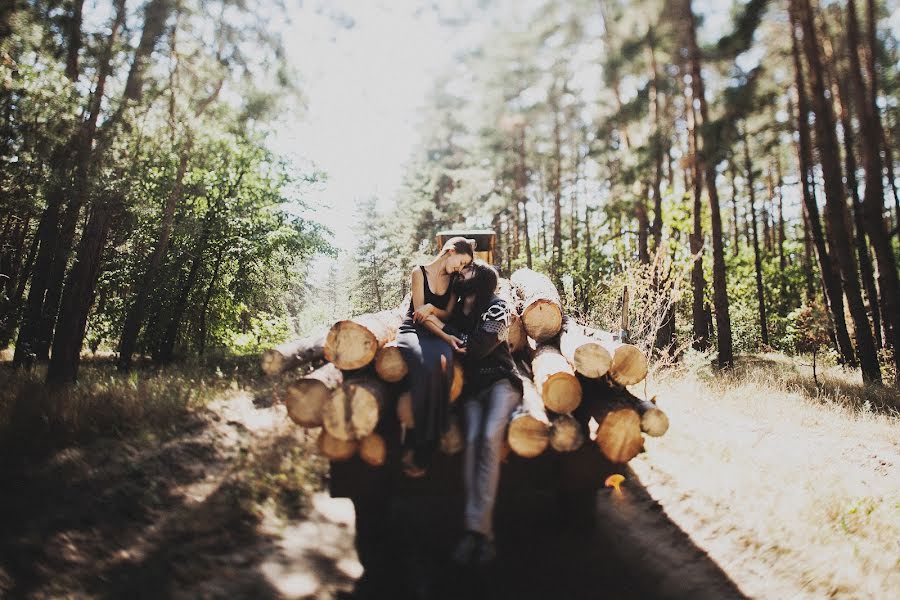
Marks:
<point>492,391</point>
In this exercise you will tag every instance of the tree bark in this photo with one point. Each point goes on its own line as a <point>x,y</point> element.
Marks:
<point>757,260</point>
<point>542,308</point>
<point>873,199</point>
<point>306,397</point>
<point>705,162</point>
<point>834,296</point>
<point>862,249</point>
<point>835,206</point>
<point>292,354</point>
<point>74,41</point>
<point>698,282</point>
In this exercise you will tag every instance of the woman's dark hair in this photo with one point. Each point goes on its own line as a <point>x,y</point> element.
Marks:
<point>461,245</point>
<point>483,283</point>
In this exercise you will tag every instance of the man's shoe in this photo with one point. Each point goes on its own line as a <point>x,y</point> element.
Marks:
<point>465,548</point>
<point>485,552</point>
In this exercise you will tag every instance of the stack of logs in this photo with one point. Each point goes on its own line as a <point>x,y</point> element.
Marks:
<point>575,382</point>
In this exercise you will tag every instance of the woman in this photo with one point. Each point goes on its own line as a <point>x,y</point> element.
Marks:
<point>429,351</point>
<point>492,391</point>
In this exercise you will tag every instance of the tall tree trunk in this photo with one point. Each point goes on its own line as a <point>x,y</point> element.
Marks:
<point>522,185</point>
<point>736,230</point>
<point>706,163</point>
<point>782,261</point>
<point>834,296</point>
<point>643,226</point>
<point>77,297</point>
<point>836,212</point>
<point>204,309</point>
<point>657,143</point>
<point>74,41</point>
<point>873,199</point>
<point>757,260</point>
<point>698,283</point>
<point>557,191</point>
<point>862,249</point>
<point>135,317</point>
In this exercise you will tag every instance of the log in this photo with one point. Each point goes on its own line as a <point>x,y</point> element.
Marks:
<point>459,381</point>
<point>516,337</point>
<point>619,434</point>
<point>335,449</point>
<point>613,420</point>
<point>629,364</point>
<point>529,427</point>
<point>405,411</point>
<point>566,434</point>
<point>373,449</point>
<point>453,441</point>
<point>306,397</point>
<point>587,355</point>
<point>654,421</point>
<point>293,354</point>
<point>390,364</point>
<point>541,306</point>
<point>555,380</point>
<point>352,411</point>
<point>352,343</point>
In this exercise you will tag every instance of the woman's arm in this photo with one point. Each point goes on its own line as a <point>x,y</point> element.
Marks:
<point>437,326</point>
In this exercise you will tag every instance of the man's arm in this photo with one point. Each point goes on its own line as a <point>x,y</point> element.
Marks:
<point>491,332</point>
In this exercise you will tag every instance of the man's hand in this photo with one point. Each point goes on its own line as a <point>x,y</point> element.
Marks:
<point>422,313</point>
<point>456,344</point>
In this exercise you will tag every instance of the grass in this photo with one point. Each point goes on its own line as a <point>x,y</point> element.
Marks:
<point>105,402</point>
<point>793,488</point>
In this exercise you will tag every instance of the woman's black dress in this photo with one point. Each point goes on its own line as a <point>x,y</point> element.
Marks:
<point>429,381</point>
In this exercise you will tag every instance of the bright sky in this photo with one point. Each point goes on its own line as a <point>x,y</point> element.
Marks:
<point>364,86</point>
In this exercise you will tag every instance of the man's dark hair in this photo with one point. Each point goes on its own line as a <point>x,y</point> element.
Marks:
<point>483,284</point>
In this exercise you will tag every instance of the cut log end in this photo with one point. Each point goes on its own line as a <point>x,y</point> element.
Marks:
<point>561,392</point>
<point>453,441</point>
<point>629,365</point>
<point>542,319</point>
<point>654,422</point>
<point>352,411</point>
<point>304,400</point>
<point>566,434</point>
<point>592,360</point>
<point>334,448</point>
<point>459,380</point>
<point>619,435</point>
<point>390,364</point>
<point>373,449</point>
<point>350,345</point>
<point>527,436</point>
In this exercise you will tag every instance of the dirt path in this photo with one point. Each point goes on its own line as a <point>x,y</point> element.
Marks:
<point>213,510</point>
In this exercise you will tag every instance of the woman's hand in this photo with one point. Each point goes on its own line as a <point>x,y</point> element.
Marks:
<point>422,313</point>
<point>456,344</point>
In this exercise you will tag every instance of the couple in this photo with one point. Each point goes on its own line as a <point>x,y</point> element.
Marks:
<point>455,314</point>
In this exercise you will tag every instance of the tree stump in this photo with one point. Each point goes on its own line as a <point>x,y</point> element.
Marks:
<point>517,337</point>
<point>629,364</point>
<point>654,421</point>
<point>306,397</point>
<point>541,306</point>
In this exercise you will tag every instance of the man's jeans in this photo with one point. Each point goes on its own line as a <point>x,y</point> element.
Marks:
<point>486,418</point>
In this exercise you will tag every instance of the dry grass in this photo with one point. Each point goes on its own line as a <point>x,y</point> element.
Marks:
<point>106,402</point>
<point>793,489</point>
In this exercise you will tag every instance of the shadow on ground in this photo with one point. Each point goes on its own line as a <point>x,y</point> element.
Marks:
<point>174,519</point>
